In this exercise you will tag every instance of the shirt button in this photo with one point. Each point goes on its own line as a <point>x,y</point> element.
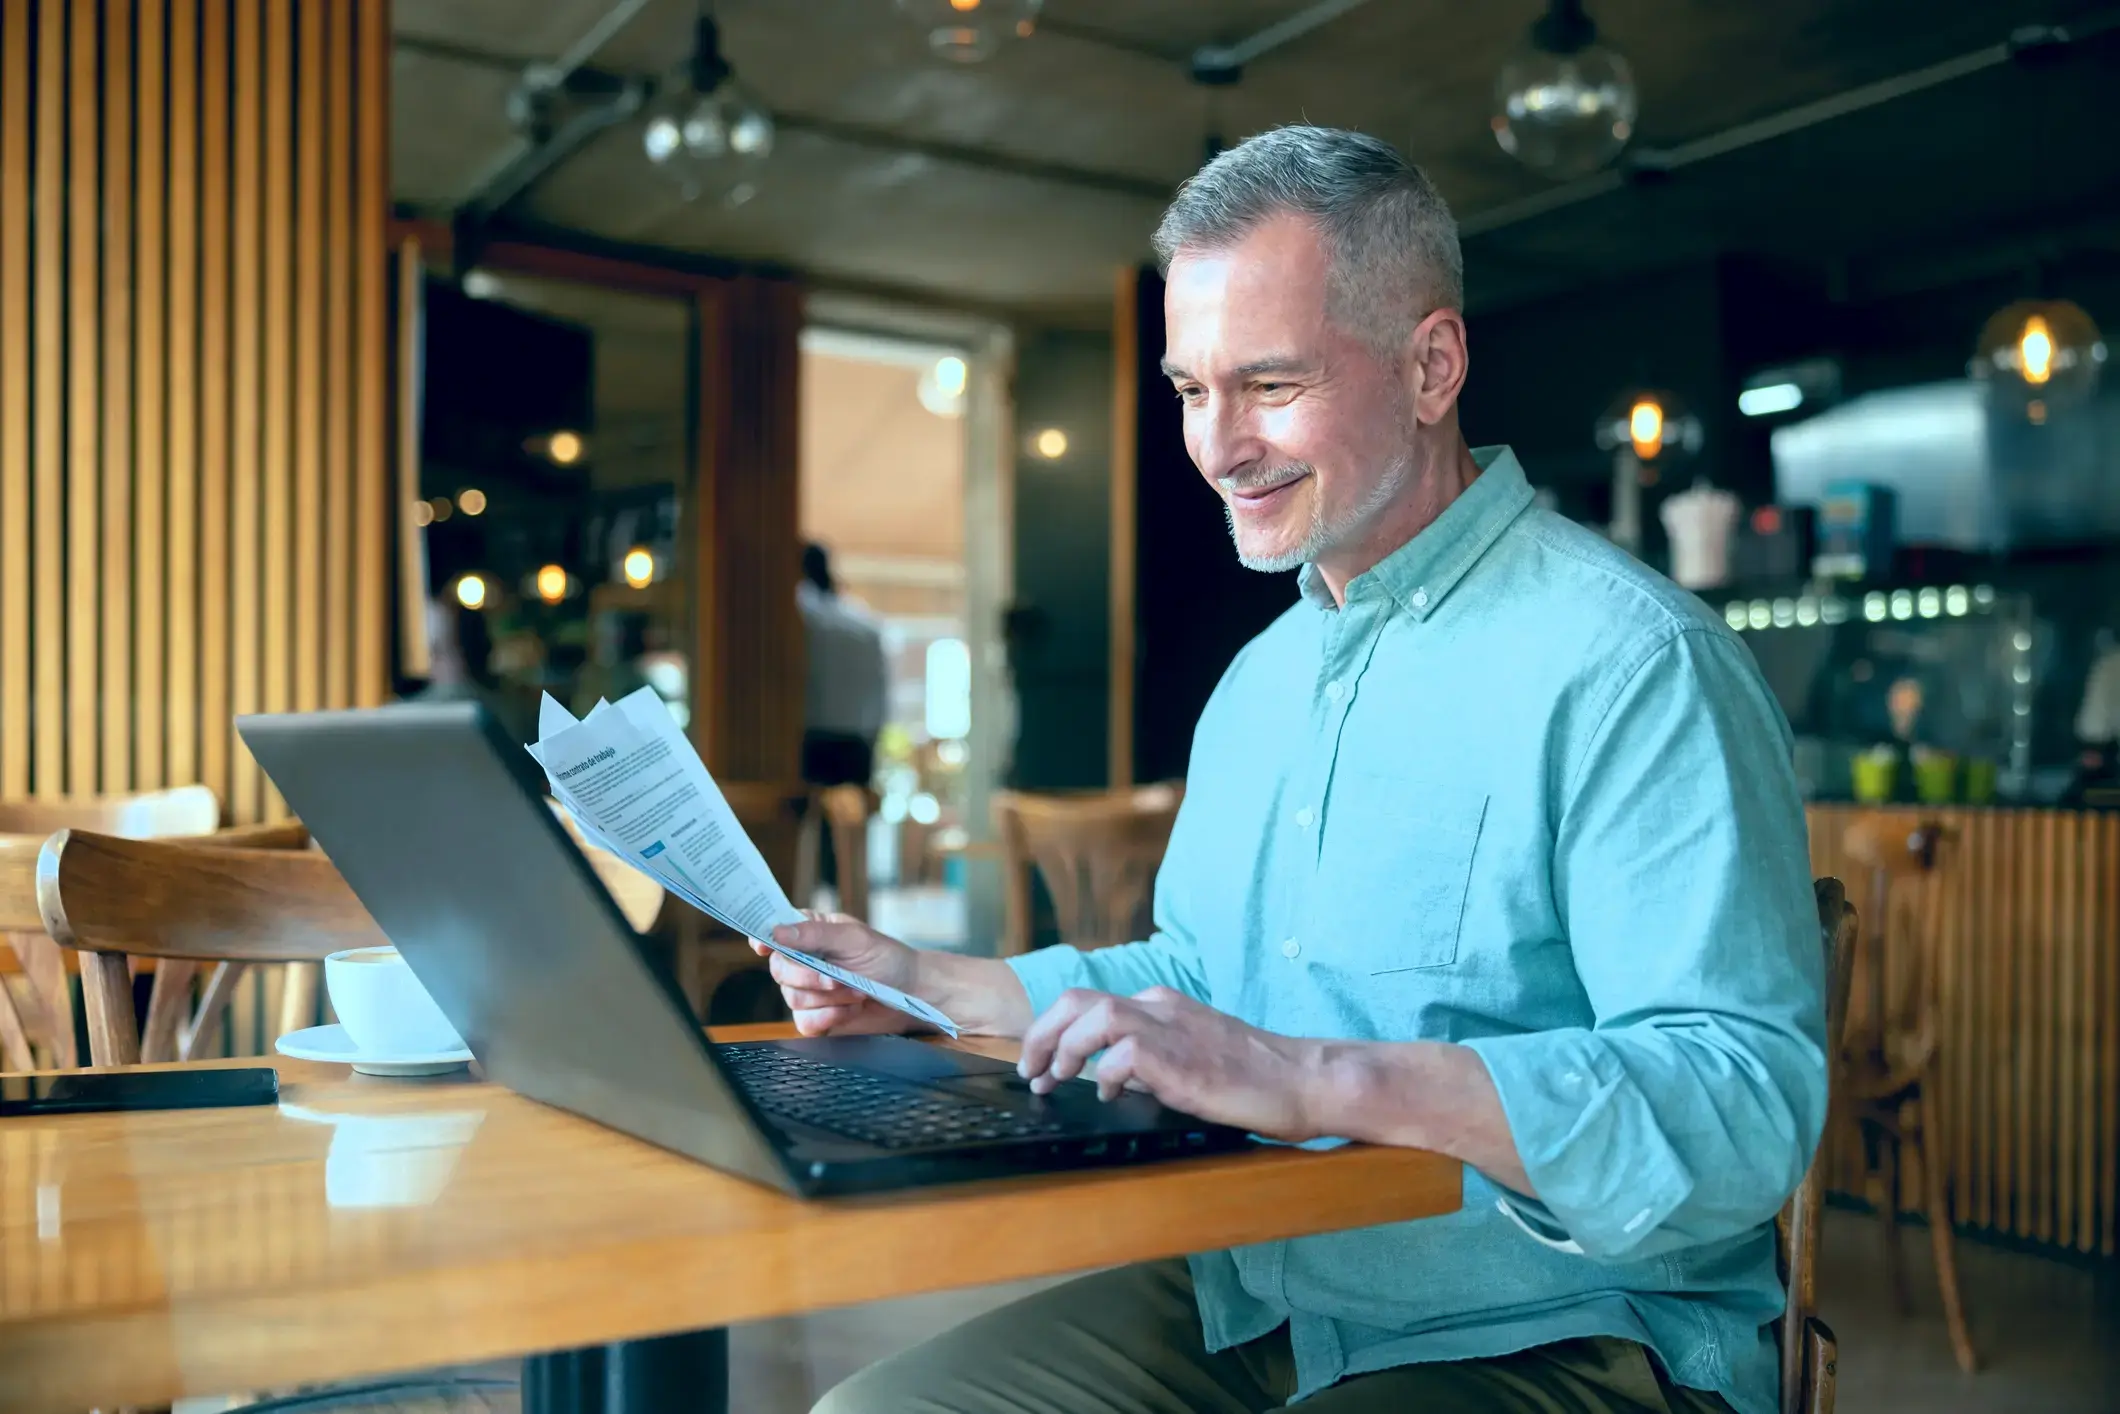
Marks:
<point>1420,598</point>
<point>1334,691</point>
<point>1303,818</point>
<point>1291,948</point>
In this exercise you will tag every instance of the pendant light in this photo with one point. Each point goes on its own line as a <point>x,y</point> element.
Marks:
<point>1564,105</point>
<point>2037,355</point>
<point>711,131</point>
<point>968,31</point>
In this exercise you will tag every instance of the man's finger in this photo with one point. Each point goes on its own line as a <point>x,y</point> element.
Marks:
<point>1100,1026</point>
<point>805,999</point>
<point>790,973</point>
<point>1055,1019</point>
<point>1116,1067</point>
<point>817,1021</point>
<point>826,937</point>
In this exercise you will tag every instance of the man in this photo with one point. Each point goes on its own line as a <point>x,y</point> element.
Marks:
<point>848,694</point>
<point>848,691</point>
<point>1491,845</point>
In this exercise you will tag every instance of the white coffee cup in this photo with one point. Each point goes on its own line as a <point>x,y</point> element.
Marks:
<point>382,1006</point>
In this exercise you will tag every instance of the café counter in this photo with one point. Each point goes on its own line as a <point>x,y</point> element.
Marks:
<point>2022,932</point>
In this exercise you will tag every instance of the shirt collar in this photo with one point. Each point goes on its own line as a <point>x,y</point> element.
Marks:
<point>1423,571</point>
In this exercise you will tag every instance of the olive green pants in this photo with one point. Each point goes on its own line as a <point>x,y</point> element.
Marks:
<point>1128,1342</point>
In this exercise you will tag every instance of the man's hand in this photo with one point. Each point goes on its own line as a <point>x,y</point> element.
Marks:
<point>822,1006</point>
<point>1189,1056</point>
<point>981,995</point>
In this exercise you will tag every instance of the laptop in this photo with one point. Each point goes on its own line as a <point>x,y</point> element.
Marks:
<point>440,825</point>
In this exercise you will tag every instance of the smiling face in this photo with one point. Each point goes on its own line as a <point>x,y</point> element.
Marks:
<point>1308,432</point>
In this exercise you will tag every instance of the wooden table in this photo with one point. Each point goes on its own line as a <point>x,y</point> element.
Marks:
<point>367,1226</point>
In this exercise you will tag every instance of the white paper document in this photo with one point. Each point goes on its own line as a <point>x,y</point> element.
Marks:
<point>637,788</point>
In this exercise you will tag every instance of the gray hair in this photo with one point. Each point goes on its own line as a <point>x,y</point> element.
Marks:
<point>1389,235</point>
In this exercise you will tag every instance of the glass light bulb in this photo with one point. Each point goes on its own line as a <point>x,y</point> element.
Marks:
<point>663,139</point>
<point>2039,355</point>
<point>706,131</point>
<point>1565,115</point>
<point>751,132</point>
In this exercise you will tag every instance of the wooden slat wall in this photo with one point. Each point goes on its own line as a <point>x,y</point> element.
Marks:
<point>193,366</point>
<point>2025,924</point>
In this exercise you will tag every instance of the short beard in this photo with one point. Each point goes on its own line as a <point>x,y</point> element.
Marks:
<point>1323,535</point>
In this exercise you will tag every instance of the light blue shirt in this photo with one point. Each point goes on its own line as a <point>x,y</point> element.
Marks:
<point>1523,794</point>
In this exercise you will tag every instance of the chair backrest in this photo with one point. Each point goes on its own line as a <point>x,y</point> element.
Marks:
<point>1893,1015</point>
<point>1098,854</point>
<point>37,1004</point>
<point>184,904</point>
<point>845,811</point>
<point>149,815</point>
<point>1806,1344</point>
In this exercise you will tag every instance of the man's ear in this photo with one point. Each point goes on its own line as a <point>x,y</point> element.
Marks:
<point>1436,362</point>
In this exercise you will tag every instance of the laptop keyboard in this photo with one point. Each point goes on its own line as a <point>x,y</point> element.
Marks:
<point>872,1108</point>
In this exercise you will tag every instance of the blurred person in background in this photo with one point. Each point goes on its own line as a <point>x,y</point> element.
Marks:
<point>614,669</point>
<point>848,693</point>
<point>459,669</point>
<point>1491,845</point>
<point>458,646</point>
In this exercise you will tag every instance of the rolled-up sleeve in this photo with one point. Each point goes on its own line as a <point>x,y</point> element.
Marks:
<point>1688,1111</point>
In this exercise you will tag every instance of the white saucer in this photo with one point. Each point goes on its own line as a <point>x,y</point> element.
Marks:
<point>331,1045</point>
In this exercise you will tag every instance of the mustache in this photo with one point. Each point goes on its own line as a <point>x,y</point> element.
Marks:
<point>1258,478</point>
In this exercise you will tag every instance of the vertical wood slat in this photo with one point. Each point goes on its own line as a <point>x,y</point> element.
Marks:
<point>246,581</point>
<point>84,403</point>
<point>181,714</point>
<point>1993,943</point>
<point>2038,1155</point>
<point>216,397</point>
<point>309,246</point>
<point>371,585</point>
<point>48,446</point>
<point>339,382</point>
<point>1955,988</point>
<point>2109,1028</point>
<point>275,463</point>
<point>2068,898</point>
<point>2007,1023</point>
<point>2096,886</point>
<point>114,695</point>
<point>150,429</point>
<point>15,346</point>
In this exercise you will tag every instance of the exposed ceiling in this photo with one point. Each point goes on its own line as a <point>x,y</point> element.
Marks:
<point>1021,182</point>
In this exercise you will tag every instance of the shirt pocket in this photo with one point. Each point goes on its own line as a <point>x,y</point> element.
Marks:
<point>1393,873</point>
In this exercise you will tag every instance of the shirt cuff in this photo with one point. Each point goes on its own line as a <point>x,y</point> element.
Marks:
<point>1048,972</point>
<point>1606,1175</point>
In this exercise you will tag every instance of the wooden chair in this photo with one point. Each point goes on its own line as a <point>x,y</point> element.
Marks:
<point>37,1006</point>
<point>1809,1353</point>
<point>1891,1051</point>
<point>844,812</point>
<point>1098,854</point>
<point>184,905</point>
<point>708,956</point>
